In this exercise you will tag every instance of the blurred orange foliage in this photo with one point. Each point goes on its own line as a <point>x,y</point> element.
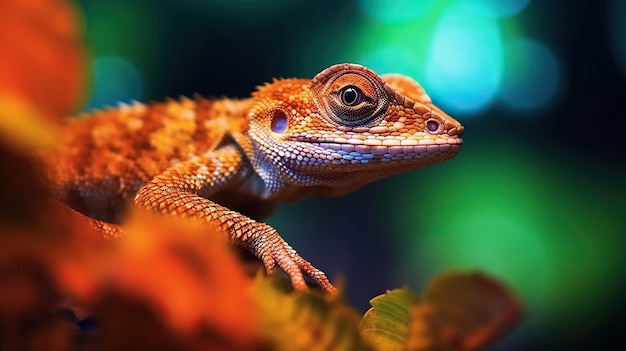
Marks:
<point>43,67</point>
<point>44,58</point>
<point>203,279</point>
<point>166,284</point>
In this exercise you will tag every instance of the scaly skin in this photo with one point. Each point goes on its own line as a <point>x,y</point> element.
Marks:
<point>225,161</point>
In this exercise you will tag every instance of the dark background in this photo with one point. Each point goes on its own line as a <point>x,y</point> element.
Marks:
<point>536,196</point>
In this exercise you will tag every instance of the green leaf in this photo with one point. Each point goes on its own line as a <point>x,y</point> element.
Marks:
<point>294,320</point>
<point>386,324</point>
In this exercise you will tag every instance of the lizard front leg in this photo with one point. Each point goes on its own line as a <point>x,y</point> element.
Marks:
<point>183,191</point>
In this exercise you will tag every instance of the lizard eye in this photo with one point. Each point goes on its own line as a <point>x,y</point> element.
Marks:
<point>279,121</point>
<point>350,97</point>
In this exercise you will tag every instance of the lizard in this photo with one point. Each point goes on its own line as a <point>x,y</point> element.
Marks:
<point>229,161</point>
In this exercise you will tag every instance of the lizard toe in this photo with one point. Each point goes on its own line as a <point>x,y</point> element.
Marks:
<point>291,267</point>
<point>269,263</point>
<point>317,275</point>
<point>274,251</point>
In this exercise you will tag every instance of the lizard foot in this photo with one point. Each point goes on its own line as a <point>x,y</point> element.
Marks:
<point>270,247</point>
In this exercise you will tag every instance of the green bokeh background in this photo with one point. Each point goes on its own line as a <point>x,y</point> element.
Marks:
<point>536,196</point>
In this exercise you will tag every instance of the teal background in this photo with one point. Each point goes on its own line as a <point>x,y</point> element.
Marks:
<point>536,196</point>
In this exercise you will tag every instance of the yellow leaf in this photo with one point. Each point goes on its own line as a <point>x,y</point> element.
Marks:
<point>22,126</point>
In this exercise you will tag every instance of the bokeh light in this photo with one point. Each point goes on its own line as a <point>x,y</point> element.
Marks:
<point>453,48</point>
<point>392,59</point>
<point>531,76</point>
<point>465,62</point>
<point>116,27</point>
<point>114,80</point>
<point>399,48</point>
<point>498,9</point>
<point>396,11</point>
<point>504,212</point>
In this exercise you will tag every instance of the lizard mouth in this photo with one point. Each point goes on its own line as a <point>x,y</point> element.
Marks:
<point>421,149</point>
<point>390,151</point>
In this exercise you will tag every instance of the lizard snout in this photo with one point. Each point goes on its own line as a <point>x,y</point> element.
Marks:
<point>456,130</point>
<point>451,126</point>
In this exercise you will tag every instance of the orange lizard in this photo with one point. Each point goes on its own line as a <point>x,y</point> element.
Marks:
<point>229,161</point>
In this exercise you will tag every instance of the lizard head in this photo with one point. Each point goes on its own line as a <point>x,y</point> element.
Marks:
<point>346,127</point>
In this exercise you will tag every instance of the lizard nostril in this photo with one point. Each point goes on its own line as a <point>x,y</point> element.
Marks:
<point>279,121</point>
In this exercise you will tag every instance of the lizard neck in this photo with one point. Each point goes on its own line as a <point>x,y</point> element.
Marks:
<point>271,177</point>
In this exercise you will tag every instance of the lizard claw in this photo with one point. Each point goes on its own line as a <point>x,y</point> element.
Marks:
<point>273,250</point>
<point>318,276</point>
